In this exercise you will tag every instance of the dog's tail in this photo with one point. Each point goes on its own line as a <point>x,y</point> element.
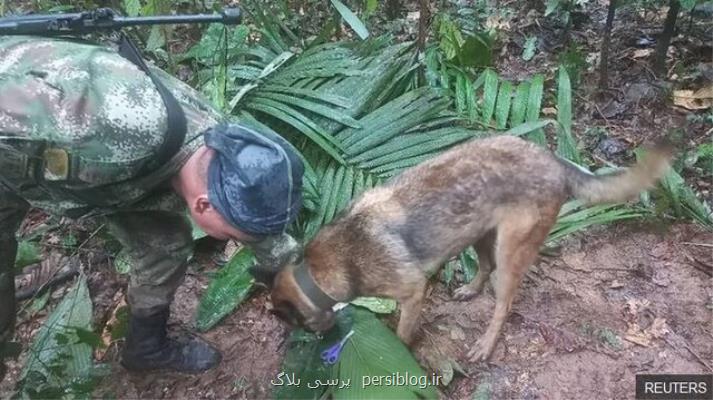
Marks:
<point>621,185</point>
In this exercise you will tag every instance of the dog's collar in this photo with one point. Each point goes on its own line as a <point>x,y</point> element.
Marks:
<point>309,287</point>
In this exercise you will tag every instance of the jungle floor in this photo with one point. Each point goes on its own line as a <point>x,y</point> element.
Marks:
<point>611,302</point>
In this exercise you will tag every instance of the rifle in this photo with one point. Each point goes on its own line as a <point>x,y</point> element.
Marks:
<point>102,19</point>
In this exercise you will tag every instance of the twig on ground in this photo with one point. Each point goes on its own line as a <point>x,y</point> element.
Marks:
<point>698,244</point>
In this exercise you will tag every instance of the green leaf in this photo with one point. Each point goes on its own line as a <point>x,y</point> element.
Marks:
<point>376,304</point>
<point>566,145</point>
<point>468,264</point>
<point>39,303</point>
<point>351,19</point>
<point>56,343</point>
<point>226,291</point>
<point>573,217</point>
<point>502,108</point>
<point>132,7</point>
<point>157,38</point>
<point>519,105</point>
<point>475,51</point>
<point>27,254</point>
<point>529,48</point>
<point>371,5</point>
<point>528,127</point>
<point>122,262</point>
<point>552,5</point>
<point>534,102</point>
<point>683,199</point>
<point>490,93</point>
<point>372,351</point>
<point>299,121</point>
<point>687,5</point>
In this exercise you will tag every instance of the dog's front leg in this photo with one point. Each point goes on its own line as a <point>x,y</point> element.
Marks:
<point>410,311</point>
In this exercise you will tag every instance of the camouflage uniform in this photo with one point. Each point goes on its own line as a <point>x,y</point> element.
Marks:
<point>107,115</point>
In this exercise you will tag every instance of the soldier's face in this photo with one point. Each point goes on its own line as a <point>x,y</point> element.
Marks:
<point>212,223</point>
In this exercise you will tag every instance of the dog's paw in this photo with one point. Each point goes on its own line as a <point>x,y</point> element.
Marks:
<point>481,351</point>
<point>465,292</point>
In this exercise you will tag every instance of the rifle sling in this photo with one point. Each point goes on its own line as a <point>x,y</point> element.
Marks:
<point>176,119</point>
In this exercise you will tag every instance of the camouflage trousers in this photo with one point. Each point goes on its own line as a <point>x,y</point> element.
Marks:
<point>159,245</point>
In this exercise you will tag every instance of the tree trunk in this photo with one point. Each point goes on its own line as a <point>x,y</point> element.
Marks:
<point>424,15</point>
<point>664,39</point>
<point>604,57</point>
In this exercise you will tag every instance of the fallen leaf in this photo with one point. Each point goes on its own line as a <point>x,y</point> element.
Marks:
<point>549,111</point>
<point>694,100</point>
<point>641,53</point>
<point>111,324</point>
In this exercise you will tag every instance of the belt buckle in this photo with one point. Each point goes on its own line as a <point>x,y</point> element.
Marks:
<point>56,165</point>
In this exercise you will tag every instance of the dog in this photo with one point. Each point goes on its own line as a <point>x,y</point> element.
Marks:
<point>501,194</point>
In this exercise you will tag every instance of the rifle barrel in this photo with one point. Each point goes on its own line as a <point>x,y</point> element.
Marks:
<point>103,19</point>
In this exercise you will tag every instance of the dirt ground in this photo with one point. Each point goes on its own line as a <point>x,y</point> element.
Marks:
<point>616,301</point>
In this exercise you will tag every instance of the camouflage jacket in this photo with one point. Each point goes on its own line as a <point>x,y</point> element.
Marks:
<point>103,110</point>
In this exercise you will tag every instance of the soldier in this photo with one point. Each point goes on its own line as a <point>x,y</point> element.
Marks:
<point>84,132</point>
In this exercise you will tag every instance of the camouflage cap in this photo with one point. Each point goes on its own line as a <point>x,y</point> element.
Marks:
<point>255,178</point>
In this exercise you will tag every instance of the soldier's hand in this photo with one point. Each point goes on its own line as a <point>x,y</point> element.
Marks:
<point>272,254</point>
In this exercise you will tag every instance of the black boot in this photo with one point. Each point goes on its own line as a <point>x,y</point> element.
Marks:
<point>147,347</point>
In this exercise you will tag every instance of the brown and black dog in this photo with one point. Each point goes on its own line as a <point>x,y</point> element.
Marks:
<point>501,194</point>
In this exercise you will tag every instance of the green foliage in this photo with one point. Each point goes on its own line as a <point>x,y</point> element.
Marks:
<point>573,217</point>
<point>574,61</point>
<point>226,290</point>
<point>566,145</point>
<point>27,254</point>
<point>371,351</point>
<point>59,361</point>
<point>674,194</point>
<point>122,262</point>
<point>375,304</point>
<point>351,19</point>
<point>529,49</point>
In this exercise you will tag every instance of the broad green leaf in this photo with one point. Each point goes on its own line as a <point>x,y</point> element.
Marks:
<point>226,291</point>
<point>529,48</point>
<point>376,304</point>
<point>475,51</point>
<point>534,102</point>
<point>683,199</point>
<point>27,254</point>
<point>157,38</point>
<point>552,5</point>
<point>373,350</point>
<point>468,264</point>
<point>39,303</point>
<point>566,145</point>
<point>351,19</point>
<point>573,217</point>
<point>299,121</point>
<point>325,111</point>
<point>528,127</point>
<point>490,93</point>
<point>371,5</point>
<point>687,5</point>
<point>56,352</point>
<point>132,7</point>
<point>502,108</point>
<point>519,104</point>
